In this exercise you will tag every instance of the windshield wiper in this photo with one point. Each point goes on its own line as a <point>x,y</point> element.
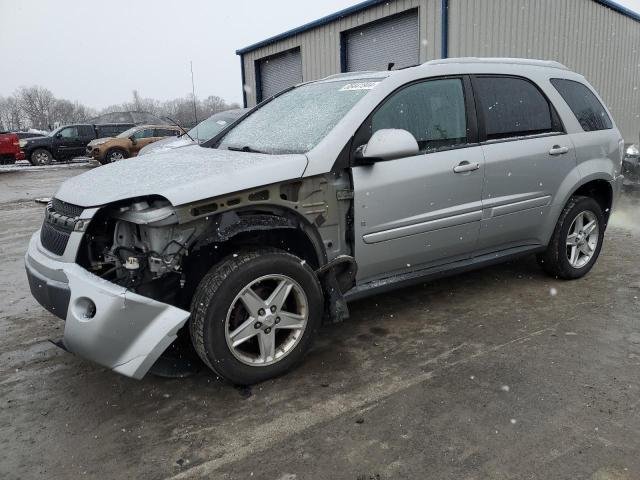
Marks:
<point>246,148</point>
<point>184,132</point>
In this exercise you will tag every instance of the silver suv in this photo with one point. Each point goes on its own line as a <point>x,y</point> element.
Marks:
<point>330,191</point>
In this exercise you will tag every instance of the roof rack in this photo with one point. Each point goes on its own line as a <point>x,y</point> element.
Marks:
<point>516,61</point>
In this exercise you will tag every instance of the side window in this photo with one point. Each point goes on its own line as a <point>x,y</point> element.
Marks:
<point>118,129</point>
<point>165,132</point>
<point>433,111</point>
<point>69,132</point>
<point>86,131</point>
<point>512,107</point>
<point>105,131</point>
<point>584,104</point>
<point>146,133</point>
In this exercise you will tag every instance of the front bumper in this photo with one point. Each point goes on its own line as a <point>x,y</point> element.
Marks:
<point>631,170</point>
<point>125,332</point>
<point>94,152</point>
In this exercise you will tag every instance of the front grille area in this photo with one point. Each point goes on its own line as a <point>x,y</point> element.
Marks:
<point>54,238</point>
<point>59,221</point>
<point>66,209</point>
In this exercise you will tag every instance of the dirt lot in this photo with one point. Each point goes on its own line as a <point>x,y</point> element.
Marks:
<point>502,373</point>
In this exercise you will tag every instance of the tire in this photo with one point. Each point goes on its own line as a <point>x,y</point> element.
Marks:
<point>557,260</point>
<point>219,309</point>
<point>114,155</point>
<point>41,156</point>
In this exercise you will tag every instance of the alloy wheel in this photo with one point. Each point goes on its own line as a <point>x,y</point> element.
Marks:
<point>266,320</point>
<point>582,239</point>
<point>115,156</point>
<point>41,158</point>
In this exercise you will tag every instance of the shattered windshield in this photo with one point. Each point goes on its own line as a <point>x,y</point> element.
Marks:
<point>296,121</point>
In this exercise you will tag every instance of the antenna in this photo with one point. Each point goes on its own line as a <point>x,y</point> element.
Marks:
<point>193,94</point>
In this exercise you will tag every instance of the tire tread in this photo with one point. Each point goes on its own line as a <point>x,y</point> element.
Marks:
<point>550,260</point>
<point>209,287</point>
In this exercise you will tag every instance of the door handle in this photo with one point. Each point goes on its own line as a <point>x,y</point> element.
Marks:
<point>465,166</point>
<point>558,150</point>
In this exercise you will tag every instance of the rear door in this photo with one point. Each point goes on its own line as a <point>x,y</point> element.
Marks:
<point>161,133</point>
<point>416,212</point>
<point>86,133</point>
<point>527,155</point>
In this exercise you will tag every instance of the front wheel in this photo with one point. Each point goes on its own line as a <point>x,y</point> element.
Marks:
<point>254,315</point>
<point>576,241</point>
<point>114,155</point>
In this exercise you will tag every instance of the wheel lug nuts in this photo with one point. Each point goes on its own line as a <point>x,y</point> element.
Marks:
<point>277,319</point>
<point>267,330</point>
<point>258,324</point>
<point>273,308</point>
<point>261,312</point>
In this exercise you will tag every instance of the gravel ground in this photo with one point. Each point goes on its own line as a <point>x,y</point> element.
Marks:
<point>502,373</point>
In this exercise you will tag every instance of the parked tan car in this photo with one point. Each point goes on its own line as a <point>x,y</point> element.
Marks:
<point>129,142</point>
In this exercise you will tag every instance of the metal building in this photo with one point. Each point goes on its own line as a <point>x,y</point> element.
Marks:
<point>597,38</point>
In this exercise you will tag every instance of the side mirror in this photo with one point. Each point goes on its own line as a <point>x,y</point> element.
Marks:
<point>58,135</point>
<point>133,140</point>
<point>387,144</point>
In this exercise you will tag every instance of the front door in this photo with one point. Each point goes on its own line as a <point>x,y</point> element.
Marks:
<point>424,210</point>
<point>141,139</point>
<point>67,143</point>
<point>527,157</point>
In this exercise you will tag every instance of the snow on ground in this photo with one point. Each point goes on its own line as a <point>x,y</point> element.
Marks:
<point>25,166</point>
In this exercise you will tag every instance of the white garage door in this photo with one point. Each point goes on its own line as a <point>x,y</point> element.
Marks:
<point>373,47</point>
<point>279,72</point>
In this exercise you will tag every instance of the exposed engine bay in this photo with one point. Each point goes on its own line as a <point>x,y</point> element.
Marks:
<point>137,244</point>
<point>157,250</point>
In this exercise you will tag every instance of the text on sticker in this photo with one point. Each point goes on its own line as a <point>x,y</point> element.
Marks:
<point>359,86</point>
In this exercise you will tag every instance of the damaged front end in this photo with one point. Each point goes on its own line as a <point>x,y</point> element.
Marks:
<point>140,246</point>
<point>82,276</point>
<point>130,268</point>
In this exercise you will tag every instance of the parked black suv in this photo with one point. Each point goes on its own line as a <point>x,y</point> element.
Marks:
<point>67,142</point>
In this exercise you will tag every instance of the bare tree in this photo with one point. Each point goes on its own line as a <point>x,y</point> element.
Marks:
<point>36,107</point>
<point>36,103</point>
<point>64,111</point>
<point>11,117</point>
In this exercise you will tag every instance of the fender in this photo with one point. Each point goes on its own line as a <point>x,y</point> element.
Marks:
<point>567,189</point>
<point>261,218</point>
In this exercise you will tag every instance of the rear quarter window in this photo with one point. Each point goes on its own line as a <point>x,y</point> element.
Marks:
<point>584,104</point>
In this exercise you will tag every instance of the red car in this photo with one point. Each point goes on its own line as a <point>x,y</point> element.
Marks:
<point>10,148</point>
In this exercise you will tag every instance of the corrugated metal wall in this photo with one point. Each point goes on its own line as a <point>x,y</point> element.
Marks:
<point>321,46</point>
<point>589,38</point>
<point>373,46</point>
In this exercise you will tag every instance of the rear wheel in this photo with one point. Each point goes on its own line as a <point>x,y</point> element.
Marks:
<point>576,241</point>
<point>255,314</point>
<point>40,156</point>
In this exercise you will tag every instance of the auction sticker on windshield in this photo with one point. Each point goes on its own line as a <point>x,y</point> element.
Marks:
<point>359,86</point>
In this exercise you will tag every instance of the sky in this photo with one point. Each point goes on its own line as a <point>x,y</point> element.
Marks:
<point>98,51</point>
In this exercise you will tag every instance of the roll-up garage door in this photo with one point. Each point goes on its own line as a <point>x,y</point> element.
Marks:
<point>279,72</point>
<point>395,40</point>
